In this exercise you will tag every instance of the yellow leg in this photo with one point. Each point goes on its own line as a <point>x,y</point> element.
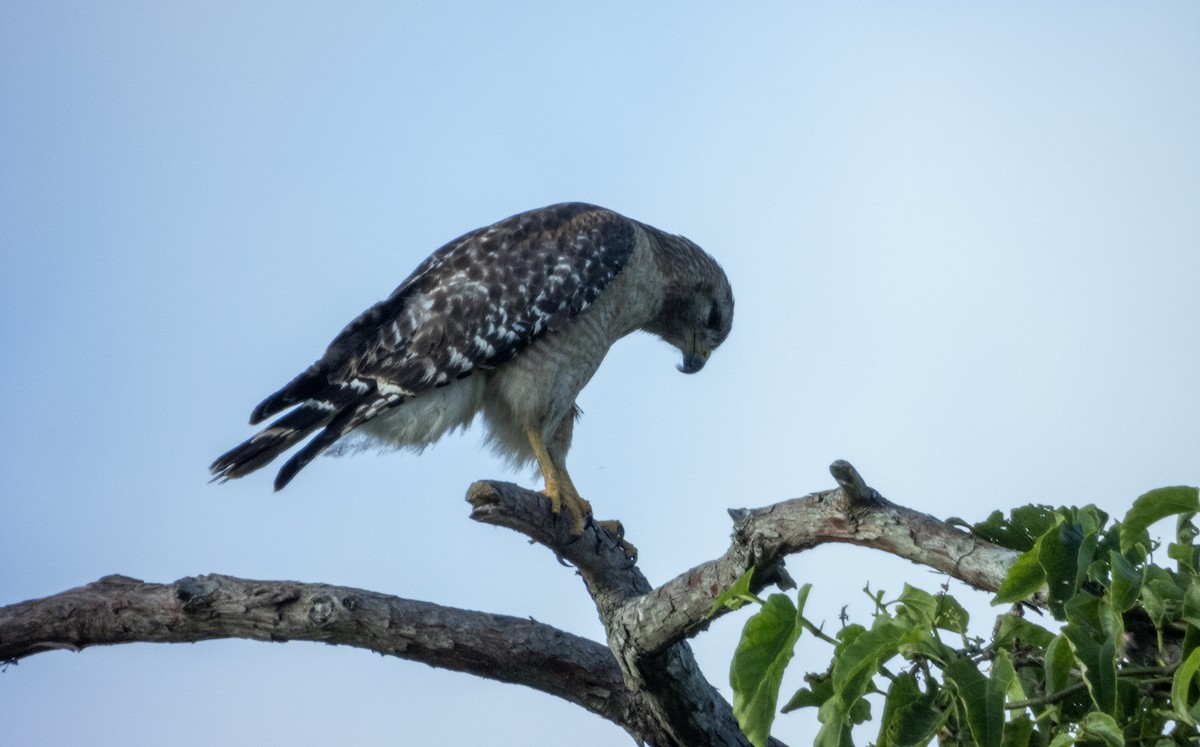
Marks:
<point>559,487</point>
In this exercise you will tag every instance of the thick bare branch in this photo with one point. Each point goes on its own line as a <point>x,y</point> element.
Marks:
<point>854,513</point>
<point>682,707</point>
<point>117,609</point>
<point>648,621</point>
<point>612,578</point>
<point>646,680</point>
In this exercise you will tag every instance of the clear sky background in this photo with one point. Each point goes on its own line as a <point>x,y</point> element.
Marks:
<point>964,242</point>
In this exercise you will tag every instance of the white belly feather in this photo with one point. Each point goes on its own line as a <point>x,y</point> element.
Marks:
<point>420,421</point>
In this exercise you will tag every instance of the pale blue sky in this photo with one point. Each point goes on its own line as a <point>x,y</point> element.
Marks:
<point>964,242</point>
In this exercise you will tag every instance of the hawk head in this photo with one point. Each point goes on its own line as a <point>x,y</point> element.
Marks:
<point>697,312</point>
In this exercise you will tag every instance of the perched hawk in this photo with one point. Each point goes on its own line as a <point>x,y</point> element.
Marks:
<point>511,321</point>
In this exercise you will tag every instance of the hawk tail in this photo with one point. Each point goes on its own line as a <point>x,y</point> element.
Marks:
<point>304,387</point>
<point>271,441</point>
<point>338,409</point>
<point>342,423</point>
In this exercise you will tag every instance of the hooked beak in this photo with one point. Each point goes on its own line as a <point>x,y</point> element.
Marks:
<point>693,362</point>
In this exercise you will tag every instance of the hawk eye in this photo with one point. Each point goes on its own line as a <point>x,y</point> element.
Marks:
<point>714,318</point>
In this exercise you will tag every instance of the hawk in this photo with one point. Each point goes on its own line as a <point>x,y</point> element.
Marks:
<point>509,321</point>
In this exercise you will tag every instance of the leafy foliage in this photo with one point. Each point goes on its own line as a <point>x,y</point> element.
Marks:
<point>760,660</point>
<point>1119,665</point>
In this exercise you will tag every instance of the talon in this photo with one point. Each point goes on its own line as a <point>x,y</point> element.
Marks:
<point>563,495</point>
<point>617,531</point>
<point>579,509</point>
<point>613,527</point>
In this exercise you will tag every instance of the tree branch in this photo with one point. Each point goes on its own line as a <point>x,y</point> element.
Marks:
<point>118,609</point>
<point>853,513</point>
<point>646,680</point>
<point>681,707</point>
<point>643,622</point>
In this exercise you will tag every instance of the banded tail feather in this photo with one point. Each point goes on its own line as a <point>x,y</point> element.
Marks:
<point>342,423</point>
<point>271,441</point>
<point>336,409</point>
<point>304,387</point>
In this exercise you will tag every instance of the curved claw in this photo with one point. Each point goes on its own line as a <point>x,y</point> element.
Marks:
<point>616,530</point>
<point>563,495</point>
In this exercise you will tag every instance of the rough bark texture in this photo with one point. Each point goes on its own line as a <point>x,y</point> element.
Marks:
<point>118,609</point>
<point>645,679</point>
<point>763,537</point>
<point>679,706</point>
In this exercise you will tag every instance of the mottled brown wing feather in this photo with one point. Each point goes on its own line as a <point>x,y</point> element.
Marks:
<point>482,298</point>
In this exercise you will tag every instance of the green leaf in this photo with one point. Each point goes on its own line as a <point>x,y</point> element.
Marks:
<point>1103,727</point>
<point>1060,658</point>
<point>918,722</point>
<point>1155,505</point>
<point>1020,531</point>
<point>1161,596</point>
<point>1129,700</point>
<point>1062,740</point>
<point>1005,673</point>
<point>1058,553</point>
<point>1104,677</point>
<point>820,690</point>
<point>1013,628</point>
<point>983,700</point>
<point>819,694</point>
<point>847,636</point>
<point>1083,559</point>
<point>1181,685</point>
<point>735,596</point>
<point>920,607</point>
<point>1111,622</point>
<point>1083,609</point>
<point>1024,579</point>
<point>1099,663</point>
<point>1126,582</point>
<point>1155,606</point>
<point>929,610</point>
<point>1185,529</point>
<point>835,726</point>
<point>860,711</point>
<point>1019,729</point>
<point>1184,555</point>
<point>1191,604</point>
<point>803,698</point>
<point>768,642</point>
<point>858,662</point>
<point>904,692</point>
<point>951,615</point>
<point>1089,519</point>
<point>1018,732</point>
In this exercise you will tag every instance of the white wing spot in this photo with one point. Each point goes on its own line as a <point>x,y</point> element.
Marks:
<point>418,311</point>
<point>388,389</point>
<point>430,371</point>
<point>484,347</point>
<point>358,385</point>
<point>458,360</point>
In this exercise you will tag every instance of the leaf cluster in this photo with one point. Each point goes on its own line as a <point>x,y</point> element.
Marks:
<point>1118,663</point>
